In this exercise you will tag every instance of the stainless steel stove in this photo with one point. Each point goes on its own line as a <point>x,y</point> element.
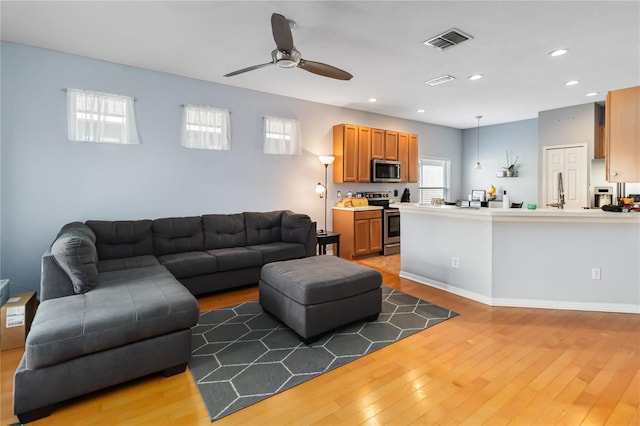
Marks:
<point>390,221</point>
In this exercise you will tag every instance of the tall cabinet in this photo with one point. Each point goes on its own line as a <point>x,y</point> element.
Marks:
<point>622,134</point>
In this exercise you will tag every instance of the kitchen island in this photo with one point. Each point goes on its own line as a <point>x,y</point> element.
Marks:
<point>547,258</point>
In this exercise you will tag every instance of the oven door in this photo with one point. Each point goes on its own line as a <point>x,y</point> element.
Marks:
<point>391,226</point>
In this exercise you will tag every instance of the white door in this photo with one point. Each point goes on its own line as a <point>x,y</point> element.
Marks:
<point>572,163</point>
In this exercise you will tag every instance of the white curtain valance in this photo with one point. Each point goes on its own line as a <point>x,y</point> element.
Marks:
<point>205,127</point>
<point>100,117</point>
<point>282,136</point>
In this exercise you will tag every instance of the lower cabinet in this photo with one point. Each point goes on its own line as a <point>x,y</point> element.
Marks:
<point>361,232</point>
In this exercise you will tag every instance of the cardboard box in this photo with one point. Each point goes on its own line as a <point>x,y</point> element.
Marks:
<point>17,315</point>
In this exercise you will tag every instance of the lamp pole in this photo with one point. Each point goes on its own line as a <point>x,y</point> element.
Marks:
<point>325,160</point>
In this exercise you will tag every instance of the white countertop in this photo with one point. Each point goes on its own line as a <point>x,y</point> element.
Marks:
<point>506,214</point>
<point>358,209</point>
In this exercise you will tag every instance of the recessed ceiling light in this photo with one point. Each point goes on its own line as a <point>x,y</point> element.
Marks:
<point>373,100</point>
<point>475,77</point>
<point>593,93</point>
<point>420,110</point>
<point>572,82</point>
<point>558,52</point>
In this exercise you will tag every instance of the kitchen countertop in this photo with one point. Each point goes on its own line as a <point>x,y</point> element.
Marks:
<point>358,209</point>
<point>522,213</point>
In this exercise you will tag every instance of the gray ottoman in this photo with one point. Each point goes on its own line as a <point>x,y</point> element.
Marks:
<point>316,294</point>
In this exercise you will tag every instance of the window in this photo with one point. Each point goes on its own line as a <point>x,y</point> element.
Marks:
<point>434,179</point>
<point>205,127</point>
<point>100,117</point>
<point>282,136</point>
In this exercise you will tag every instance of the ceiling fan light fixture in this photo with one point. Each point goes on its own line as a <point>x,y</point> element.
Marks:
<point>286,60</point>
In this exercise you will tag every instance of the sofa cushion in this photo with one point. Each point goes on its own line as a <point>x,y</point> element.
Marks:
<point>263,227</point>
<point>77,256</point>
<point>189,264</point>
<point>233,258</point>
<point>177,235</point>
<point>122,238</point>
<point>224,230</point>
<point>126,263</point>
<point>126,306</point>
<point>295,227</point>
<point>273,252</point>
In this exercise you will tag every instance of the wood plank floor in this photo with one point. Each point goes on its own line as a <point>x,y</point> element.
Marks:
<point>494,366</point>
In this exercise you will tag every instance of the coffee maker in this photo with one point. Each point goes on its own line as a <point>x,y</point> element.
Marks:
<point>602,196</point>
<point>406,196</point>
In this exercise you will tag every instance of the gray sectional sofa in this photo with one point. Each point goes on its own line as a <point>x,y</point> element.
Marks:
<point>117,297</point>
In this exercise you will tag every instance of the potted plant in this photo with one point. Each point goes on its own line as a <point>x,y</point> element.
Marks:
<point>511,165</point>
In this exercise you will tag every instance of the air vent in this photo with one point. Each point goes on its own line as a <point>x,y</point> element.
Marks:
<point>440,80</point>
<point>448,39</point>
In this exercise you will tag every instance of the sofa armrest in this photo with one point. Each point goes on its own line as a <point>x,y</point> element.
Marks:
<point>54,282</point>
<point>298,228</point>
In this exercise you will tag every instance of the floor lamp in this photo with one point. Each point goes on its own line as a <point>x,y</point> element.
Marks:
<point>322,189</point>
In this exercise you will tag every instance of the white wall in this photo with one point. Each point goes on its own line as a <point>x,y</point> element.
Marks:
<point>520,138</point>
<point>47,181</point>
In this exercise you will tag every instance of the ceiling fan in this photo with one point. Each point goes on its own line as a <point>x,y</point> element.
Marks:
<point>285,55</point>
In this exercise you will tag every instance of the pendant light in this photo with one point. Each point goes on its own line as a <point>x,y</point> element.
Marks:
<point>478,166</point>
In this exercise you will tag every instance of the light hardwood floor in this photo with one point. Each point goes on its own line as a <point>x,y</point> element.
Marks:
<point>494,366</point>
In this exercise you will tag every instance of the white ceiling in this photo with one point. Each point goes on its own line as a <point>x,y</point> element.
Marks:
<point>380,43</point>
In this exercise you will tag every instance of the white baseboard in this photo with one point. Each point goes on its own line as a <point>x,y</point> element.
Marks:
<point>625,308</point>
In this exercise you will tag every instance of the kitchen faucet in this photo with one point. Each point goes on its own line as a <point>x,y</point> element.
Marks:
<point>560,203</point>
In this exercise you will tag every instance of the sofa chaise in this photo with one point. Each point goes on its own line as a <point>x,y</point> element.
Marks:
<point>117,297</point>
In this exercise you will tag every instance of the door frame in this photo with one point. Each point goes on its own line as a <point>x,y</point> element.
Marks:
<point>543,179</point>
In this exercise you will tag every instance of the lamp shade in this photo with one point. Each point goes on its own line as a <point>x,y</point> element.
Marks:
<point>320,188</point>
<point>326,159</point>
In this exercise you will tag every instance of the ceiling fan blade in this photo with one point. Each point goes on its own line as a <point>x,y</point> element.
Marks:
<point>324,70</point>
<point>281,33</point>
<point>255,67</point>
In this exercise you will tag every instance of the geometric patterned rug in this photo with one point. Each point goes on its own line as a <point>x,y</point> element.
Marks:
<point>241,355</point>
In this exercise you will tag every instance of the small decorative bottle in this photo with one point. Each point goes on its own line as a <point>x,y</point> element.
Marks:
<point>505,200</point>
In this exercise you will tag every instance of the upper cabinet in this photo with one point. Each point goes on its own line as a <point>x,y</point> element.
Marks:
<point>408,156</point>
<point>352,152</point>
<point>355,146</point>
<point>377,144</point>
<point>622,135</point>
<point>391,143</point>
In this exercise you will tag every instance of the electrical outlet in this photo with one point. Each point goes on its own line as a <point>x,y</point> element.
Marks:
<point>455,262</point>
<point>595,274</point>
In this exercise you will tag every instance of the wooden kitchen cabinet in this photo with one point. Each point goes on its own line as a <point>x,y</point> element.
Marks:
<point>352,152</point>
<point>345,151</point>
<point>364,154</point>
<point>408,156</point>
<point>622,135</point>
<point>391,141</point>
<point>361,232</point>
<point>377,144</point>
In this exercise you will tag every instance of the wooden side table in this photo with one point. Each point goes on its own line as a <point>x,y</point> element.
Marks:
<point>328,238</point>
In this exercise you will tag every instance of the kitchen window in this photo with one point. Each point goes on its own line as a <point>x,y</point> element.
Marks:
<point>282,136</point>
<point>205,127</point>
<point>434,179</point>
<point>100,117</point>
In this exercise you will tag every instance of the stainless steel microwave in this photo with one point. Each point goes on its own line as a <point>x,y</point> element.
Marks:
<point>385,171</point>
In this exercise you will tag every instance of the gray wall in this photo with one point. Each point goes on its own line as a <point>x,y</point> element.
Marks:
<point>520,138</point>
<point>47,181</point>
